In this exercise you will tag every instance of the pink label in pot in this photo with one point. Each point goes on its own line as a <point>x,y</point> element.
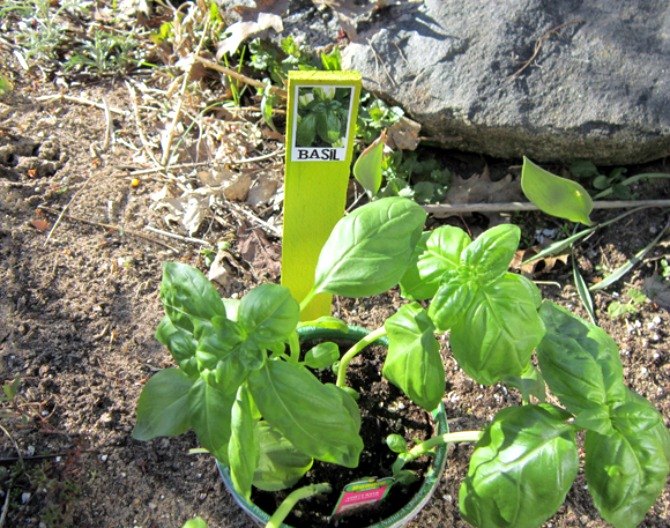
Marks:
<point>362,494</point>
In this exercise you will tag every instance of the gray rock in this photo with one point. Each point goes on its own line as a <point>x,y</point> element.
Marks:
<point>598,88</point>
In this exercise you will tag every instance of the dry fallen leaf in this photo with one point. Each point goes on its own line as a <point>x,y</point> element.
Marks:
<point>262,190</point>
<point>240,31</point>
<point>40,224</point>
<point>658,290</point>
<point>539,266</point>
<point>403,134</point>
<point>481,189</point>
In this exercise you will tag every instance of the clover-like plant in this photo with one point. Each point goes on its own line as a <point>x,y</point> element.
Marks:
<point>245,387</point>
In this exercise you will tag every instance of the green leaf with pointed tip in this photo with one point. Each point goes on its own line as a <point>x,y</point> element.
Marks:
<point>490,255</point>
<point>451,301</point>
<point>163,408</point>
<point>521,470</point>
<point>554,195</point>
<point>326,321</point>
<point>196,522</point>
<point>322,421</point>
<point>413,362</point>
<point>627,470</point>
<point>243,448</point>
<point>369,250</point>
<point>268,314</point>
<point>368,166</point>
<point>280,465</point>
<point>187,295</point>
<point>581,366</point>
<point>497,333</point>
<point>210,410</point>
<point>322,355</point>
<point>179,342</point>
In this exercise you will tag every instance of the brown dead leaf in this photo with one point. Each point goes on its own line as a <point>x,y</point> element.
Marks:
<point>40,224</point>
<point>240,31</point>
<point>481,189</point>
<point>263,189</point>
<point>539,266</point>
<point>403,134</point>
<point>32,172</point>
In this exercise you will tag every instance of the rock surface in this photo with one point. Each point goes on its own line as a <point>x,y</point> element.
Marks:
<point>549,80</point>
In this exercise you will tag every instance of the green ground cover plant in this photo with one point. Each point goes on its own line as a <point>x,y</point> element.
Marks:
<point>246,388</point>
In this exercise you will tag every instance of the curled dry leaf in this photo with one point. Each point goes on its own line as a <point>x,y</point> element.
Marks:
<point>481,189</point>
<point>262,191</point>
<point>403,134</point>
<point>539,266</point>
<point>240,31</point>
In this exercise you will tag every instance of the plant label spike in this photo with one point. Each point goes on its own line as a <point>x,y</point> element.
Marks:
<point>322,111</point>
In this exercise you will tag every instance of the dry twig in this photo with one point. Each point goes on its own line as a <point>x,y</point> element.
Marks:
<point>138,123</point>
<point>78,100</point>
<point>269,229</point>
<point>539,42</point>
<point>111,227</point>
<point>240,77</point>
<point>177,237</point>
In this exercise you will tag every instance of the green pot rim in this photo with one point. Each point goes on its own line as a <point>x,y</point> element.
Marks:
<point>431,478</point>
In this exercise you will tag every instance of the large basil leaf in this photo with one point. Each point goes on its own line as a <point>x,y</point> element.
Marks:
<point>627,469</point>
<point>521,469</point>
<point>581,365</point>
<point>489,256</point>
<point>243,448</point>
<point>443,252</point>
<point>210,410</point>
<point>499,330</point>
<point>412,286</point>
<point>451,301</point>
<point>369,250</point>
<point>186,294</point>
<point>280,464</point>
<point>314,417</point>
<point>179,342</point>
<point>268,313</point>
<point>163,409</point>
<point>413,361</point>
<point>218,350</point>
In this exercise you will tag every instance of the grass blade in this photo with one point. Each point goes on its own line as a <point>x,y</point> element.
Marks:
<point>622,270</point>
<point>633,179</point>
<point>582,290</point>
<point>561,245</point>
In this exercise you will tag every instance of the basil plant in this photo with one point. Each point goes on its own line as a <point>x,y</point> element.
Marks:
<point>246,388</point>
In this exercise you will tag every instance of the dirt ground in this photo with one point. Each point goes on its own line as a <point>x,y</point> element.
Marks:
<point>78,311</point>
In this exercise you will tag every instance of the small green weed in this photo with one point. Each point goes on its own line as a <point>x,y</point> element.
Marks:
<point>407,174</point>
<point>107,53</point>
<point>375,115</point>
<point>618,309</point>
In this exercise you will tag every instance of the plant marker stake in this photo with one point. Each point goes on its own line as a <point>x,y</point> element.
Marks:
<point>322,111</point>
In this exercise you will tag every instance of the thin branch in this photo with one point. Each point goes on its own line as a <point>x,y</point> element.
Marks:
<point>270,229</point>
<point>78,100</point>
<point>138,123</point>
<point>177,237</point>
<point>112,227</point>
<point>449,209</point>
<point>240,77</point>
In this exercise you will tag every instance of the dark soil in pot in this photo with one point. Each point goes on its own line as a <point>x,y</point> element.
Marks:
<point>384,410</point>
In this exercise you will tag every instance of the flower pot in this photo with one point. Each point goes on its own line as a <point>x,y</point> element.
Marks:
<point>431,476</point>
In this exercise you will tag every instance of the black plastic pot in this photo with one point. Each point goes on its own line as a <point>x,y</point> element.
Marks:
<point>431,477</point>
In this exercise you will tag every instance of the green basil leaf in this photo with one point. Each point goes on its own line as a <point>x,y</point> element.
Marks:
<point>196,522</point>
<point>413,362</point>
<point>368,166</point>
<point>451,301</point>
<point>396,443</point>
<point>521,469</point>
<point>179,342</point>
<point>163,408</point>
<point>530,383</point>
<point>221,343</point>
<point>306,130</point>
<point>369,250</point>
<point>232,307</point>
<point>555,195</point>
<point>443,253</point>
<point>581,365</point>
<point>210,410</point>
<point>243,448</point>
<point>627,470</point>
<point>499,330</point>
<point>322,355</point>
<point>280,465</point>
<point>316,418</point>
<point>489,256</point>
<point>412,286</point>
<point>268,314</point>
<point>187,294</point>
